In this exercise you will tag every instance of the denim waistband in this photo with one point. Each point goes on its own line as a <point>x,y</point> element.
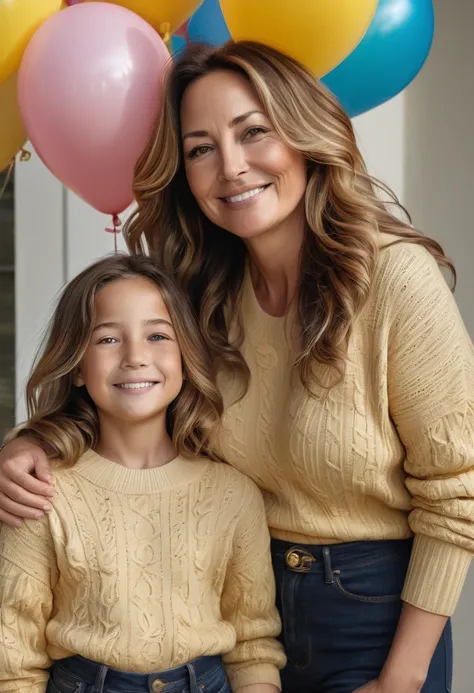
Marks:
<point>100,675</point>
<point>308,557</point>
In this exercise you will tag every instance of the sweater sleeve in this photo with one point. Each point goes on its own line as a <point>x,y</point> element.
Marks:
<point>27,567</point>
<point>248,600</point>
<point>431,395</point>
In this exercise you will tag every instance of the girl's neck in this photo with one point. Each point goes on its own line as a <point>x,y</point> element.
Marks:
<point>141,445</point>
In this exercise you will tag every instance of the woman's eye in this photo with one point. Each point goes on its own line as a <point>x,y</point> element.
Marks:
<point>253,132</point>
<point>199,151</point>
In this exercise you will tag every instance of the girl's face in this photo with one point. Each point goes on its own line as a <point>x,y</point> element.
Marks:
<point>132,366</point>
<point>244,177</point>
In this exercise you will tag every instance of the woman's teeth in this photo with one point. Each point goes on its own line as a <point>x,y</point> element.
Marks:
<point>245,195</point>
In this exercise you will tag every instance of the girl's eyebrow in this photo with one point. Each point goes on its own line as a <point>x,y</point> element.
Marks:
<point>116,325</point>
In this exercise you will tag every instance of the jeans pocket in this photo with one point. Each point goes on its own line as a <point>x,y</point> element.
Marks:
<point>62,681</point>
<point>377,582</point>
<point>216,682</point>
<point>225,688</point>
<point>52,688</point>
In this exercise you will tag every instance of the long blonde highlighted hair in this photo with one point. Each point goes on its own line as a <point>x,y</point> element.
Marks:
<point>345,212</point>
<point>63,417</point>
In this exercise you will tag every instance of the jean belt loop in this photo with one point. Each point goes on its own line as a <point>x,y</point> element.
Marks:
<point>328,572</point>
<point>193,685</point>
<point>98,686</point>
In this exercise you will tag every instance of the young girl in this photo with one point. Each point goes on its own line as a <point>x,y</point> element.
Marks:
<point>154,560</point>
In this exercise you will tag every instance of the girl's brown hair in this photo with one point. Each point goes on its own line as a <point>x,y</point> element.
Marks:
<point>63,418</point>
<point>345,213</point>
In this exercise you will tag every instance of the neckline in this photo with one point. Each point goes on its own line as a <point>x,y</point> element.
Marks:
<point>115,477</point>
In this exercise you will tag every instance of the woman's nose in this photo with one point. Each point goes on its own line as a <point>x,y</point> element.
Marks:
<point>233,162</point>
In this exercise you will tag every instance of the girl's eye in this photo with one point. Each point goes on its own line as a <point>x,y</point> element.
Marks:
<point>107,340</point>
<point>157,337</point>
<point>199,151</point>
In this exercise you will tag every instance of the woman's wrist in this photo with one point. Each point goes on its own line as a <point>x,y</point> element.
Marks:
<point>396,677</point>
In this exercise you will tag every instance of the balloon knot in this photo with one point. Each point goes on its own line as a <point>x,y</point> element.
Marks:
<point>115,229</point>
<point>25,155</point>
<point>165,33</point>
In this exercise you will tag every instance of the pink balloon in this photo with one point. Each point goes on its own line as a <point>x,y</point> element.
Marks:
<point>89,90</point>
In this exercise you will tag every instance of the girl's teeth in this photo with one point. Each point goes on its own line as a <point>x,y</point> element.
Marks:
<point>135,386</point>
<point>245,195</point>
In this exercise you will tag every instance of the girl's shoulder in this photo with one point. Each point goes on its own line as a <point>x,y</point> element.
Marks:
<point>230,479</point>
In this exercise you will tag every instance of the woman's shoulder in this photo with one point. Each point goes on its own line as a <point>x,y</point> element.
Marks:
<point>407,268</point>
<point>398,252</point>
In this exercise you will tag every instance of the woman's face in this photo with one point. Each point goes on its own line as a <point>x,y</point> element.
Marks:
<point>243,176</point>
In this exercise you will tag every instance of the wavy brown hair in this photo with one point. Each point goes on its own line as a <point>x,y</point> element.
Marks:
<point>63,418</point>
<point>345,210</point>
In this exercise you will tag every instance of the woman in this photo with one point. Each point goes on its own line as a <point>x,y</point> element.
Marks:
<point>347,374</point>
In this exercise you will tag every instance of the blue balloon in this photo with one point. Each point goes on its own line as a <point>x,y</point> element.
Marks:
<point>389,56</point>
<point>207,25</point>
<point>178,44</point>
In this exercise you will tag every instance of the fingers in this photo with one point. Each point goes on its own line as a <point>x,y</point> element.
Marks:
<point>17,493</point>
<point>18,511</point>
<point>9,519</point>
<point>43,469</point>
<point>20,475</point>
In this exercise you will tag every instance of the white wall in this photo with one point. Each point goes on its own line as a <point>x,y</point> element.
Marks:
<point>39,261</point>
<point>381,134</point>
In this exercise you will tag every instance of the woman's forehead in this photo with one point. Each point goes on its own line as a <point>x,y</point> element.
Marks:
<point>220,94</point>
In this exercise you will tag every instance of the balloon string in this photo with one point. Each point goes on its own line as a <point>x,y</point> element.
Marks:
<point>7,177</point>
<point>115,230</point>
<point>165,33</point>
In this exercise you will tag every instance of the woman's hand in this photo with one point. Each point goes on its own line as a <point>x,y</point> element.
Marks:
<point>25,482</point>
<point>386,686</point>
<point>407,664</point>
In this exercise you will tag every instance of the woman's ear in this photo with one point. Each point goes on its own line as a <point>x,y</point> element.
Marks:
<point>78,379</point>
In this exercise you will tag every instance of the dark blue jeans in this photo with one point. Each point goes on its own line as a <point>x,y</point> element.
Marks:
<point>340,607</point>
<point>79,675</point>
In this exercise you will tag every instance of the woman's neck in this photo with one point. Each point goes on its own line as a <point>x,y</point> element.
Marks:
<point>275,267</point>
<point>136,445</point>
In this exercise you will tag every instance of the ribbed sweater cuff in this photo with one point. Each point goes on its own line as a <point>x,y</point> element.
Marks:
<point>254,673</point>
<point>436,574</point>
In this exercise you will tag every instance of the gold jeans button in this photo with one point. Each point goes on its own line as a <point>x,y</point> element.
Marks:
<point>157,686</point>
<point>292,559</point>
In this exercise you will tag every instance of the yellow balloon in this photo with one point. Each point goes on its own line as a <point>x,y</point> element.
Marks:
<point>318,33</point>
<point>19,20</point>
<point>12,132</point>
<point>158,13</point>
